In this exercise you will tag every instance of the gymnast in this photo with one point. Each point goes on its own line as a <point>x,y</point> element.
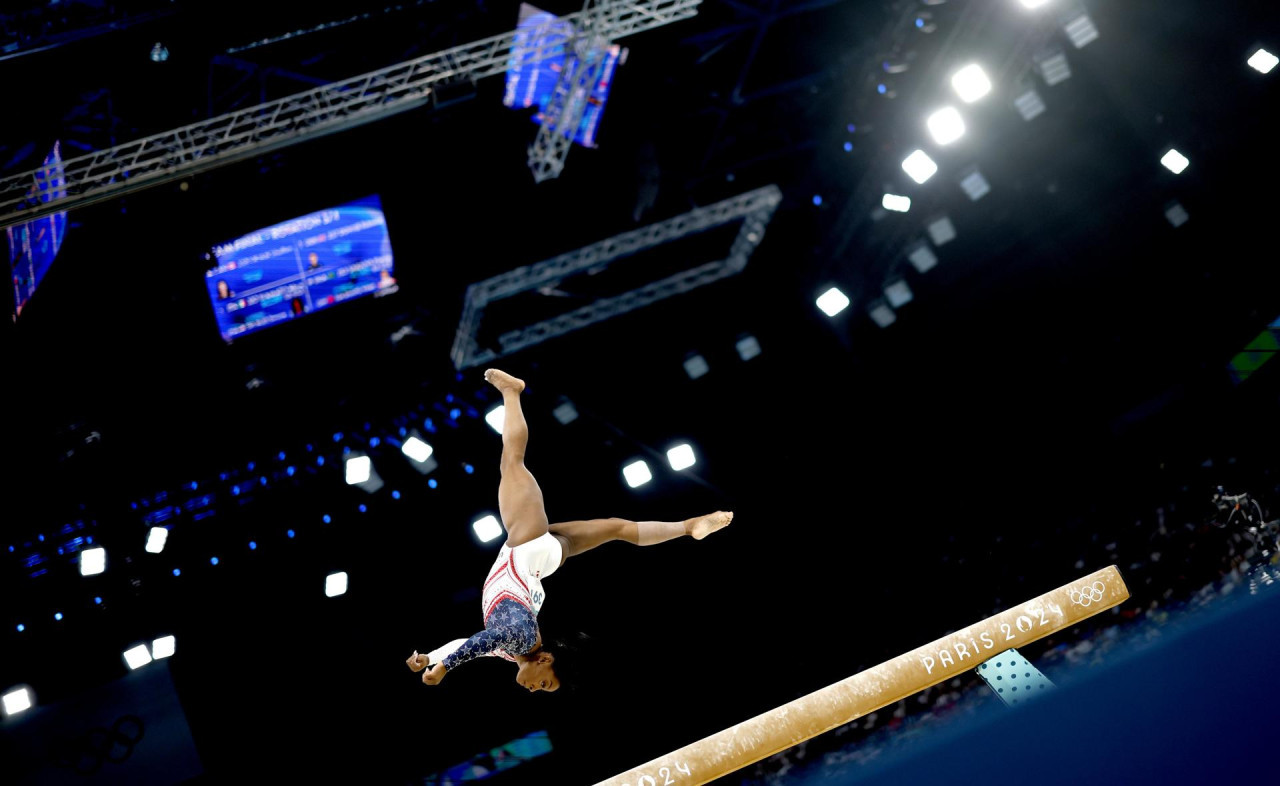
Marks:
<point>512,594</point>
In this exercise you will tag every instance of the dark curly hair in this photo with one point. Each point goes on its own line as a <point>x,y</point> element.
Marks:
<point>572,665</point>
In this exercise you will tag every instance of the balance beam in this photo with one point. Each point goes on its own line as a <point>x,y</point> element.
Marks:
<point>880,686</point>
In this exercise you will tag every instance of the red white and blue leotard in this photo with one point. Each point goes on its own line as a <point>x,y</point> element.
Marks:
<point>510,601</point>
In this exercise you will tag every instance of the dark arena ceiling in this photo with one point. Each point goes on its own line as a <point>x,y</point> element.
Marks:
<point>1063,371</point>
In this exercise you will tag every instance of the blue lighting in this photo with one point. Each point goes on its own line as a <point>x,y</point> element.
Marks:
<point>326,518</point>
<point>337,436</point>
<point>21,627</point>
<point>40,538</point>
<point>222,476</point>
<point>467,468</point>
<point>919,22</point>
<point>319,461</point>
<point>213,560</point>
<point>455,413</point>
<point>404,431</point>
<point>133,505</point>
<point>374,442</point>
<point>817,200</point>
<point>58,616</point>
<point>89,540</point>
<point>235,491</point>
<point>881,89</point>
<point>251,466</point>
<point>432,483</point>
<point>280,455</point>
<point>289,470</point>
<point>851,128</point>
<point>97,601</point>
<point>449,398</point>
<point>290,533</point>
<point>177,572</point>
<point>310,447</point>
<point>429,425</point>
<point>848,147</point>
<point>363,508</point>
<point>395,495</point>
<point>263,480</point>
<point>11,549</point>
<point>194,485</point>
<point>253,545</point>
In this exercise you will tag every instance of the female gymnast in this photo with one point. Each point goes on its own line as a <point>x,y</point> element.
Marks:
<point>513,592</point>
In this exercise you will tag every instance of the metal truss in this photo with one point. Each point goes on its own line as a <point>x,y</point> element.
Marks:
<point>249,132</point>
<point>579,76</point>
<point>754,208</point>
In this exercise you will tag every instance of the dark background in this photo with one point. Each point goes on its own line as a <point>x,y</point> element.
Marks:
<point>1061,369</point>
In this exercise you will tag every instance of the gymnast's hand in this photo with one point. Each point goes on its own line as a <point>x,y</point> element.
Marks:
<point>433,675</point>
<point>417,662</point>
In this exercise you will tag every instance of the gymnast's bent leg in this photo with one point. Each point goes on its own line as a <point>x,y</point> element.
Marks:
<point>519,497</point>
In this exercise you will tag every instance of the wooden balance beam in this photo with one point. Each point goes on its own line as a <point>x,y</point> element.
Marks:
<point>879,686</point>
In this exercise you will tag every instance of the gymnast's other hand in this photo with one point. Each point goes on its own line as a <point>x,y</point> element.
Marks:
<point>416,662</point>
<point>433,675</point>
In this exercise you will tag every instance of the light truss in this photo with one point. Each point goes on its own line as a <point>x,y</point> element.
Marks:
<point>754,208</point>
<point>246,133</point>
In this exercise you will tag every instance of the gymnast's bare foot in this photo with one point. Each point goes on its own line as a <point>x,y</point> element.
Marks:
<point>503,381</point>
<point>703,526</point>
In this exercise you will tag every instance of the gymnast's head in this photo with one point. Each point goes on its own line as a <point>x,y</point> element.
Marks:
<point>557,664</point>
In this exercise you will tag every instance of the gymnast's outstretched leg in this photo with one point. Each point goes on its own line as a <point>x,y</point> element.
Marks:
<point>580,536</point>
<point>519,497</point>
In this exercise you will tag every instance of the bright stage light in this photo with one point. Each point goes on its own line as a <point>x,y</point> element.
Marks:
<point>17,700</point>
<point>416,449</point>
<point>1053,66</point>
<point>1177,214</point>
<point>941,230</point>
<point>881,314</point>
<point>946,125</point>
<point>156,538</point>
<point>637,474</point>
<point>696,366</point>
<point>971,83</point>
<point>833,301</point>
<point>975,185</point>
<point>1033,3</point>
<point>919,166</point>
<point>681,457</point>
<point>896,202</point>
<point>495,417</point>
<point>137,657</point>
<point>336,583</point>
<point>748,347</point>
<point>163,647</point>
<point>358,469</point>
<point>1263,61</point>
<point>897,293</point>
<point>566,413</point>
<point>486,528</point>
<point>1174,161</point>
<point>93,561</point>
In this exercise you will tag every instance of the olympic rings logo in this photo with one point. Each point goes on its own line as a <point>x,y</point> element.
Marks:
<point>87,753</point>
<point>1089,595</point>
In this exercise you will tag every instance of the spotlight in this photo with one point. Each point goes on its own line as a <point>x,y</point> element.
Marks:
<point>833,301</point>
<point>922,257</point>
<point>696,366</point>
<point>1053,67</point>
<point>137,657</point>
<point>1029,104</point>
<point>1081,30</point>
<point>1033,3</point>
<point>335,584</point>
<point>420,453</point>
<point>1263,61</point>
<point>975,185</point>
<point>566,412</point>
<point>919,166</point>
<point>163,647</point>
<point>897,293</point>
<point>971,83</point>
<point>1174,161</point>
<point>896,202</point>
<point>495,417</point>
<point>17,700</point>
<point>156,538</point>
<point>486,528</point>
<point>942,231</point>
<point>93,561</point>
<point>881,314</point>
<point>358,470</point>
<point>637,473</point>
<point>748,347</point>
<point>159,53</point>
<point>946,125</point>
<point>681,457</point>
